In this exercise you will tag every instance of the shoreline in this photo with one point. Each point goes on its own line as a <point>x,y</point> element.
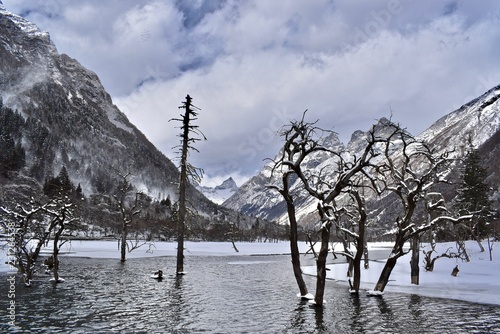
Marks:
<point>477,281</point>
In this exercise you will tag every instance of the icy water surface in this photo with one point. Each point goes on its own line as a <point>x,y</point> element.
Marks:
<point>224,294</point>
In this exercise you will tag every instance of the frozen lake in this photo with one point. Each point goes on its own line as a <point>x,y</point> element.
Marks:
<point>222,294</point>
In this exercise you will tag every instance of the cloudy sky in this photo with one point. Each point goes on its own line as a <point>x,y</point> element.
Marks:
<point>252,66</point>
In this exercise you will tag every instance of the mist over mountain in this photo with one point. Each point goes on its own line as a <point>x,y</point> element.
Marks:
<point>84,129</point>
<point>55,114</point>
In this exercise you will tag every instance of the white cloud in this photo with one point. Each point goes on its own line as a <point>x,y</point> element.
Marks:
<point>253,65</point>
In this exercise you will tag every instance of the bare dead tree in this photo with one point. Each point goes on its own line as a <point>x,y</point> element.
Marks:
<point>128,208</point>
<point>62,213</point>
<point>302,139</point>
<point>187,170</point>
<point>430,260</point>
<point>435,206</point>
<point>409,172</point>
<point>32,224</point>
<point>343,180</point>
<point>298,145</point>
<point>30,231</point>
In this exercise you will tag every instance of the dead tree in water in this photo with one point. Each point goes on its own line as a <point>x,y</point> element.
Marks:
<point>409,172</point>
<point>298,145</point>
<point>359,238</point>
<point>27,224</point>
<point>62,211</point>
<point>187,171</point>
<point>33,225</point>
<point>129,208</point>
<point>304,140</point>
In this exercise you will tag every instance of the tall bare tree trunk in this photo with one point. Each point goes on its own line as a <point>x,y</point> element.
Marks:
<point>365,256</point>
<point>478,240</point>
<point>31,258</point>
<point>182,187</point>
<point>415,259</point>
<point>297,271</point>
<point>490,249</point>
<point>55,252</point>
<point>385,274</point>
<point>357,258</point>
<point>321,265</point>
<point>294,248</point>
<point>396,253</point>
<point>123,245</point>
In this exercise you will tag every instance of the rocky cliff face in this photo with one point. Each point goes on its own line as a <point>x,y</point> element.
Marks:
<point>478,120</point>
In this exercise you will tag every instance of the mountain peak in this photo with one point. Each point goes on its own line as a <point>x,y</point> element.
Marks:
<point>477,119</point>
<point>221,192</point>
<point>227,184</point>
<point>29,28</point>
<point>70,118</point>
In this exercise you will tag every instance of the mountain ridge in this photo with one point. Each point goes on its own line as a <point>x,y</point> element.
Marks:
<point>87,133</point>
<point>221,192</point>
<point>479,119</point>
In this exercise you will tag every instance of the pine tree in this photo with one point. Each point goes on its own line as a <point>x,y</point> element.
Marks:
<point>474,194</point>
<point>58,186</point>
<point>64,181</point>
<point>12,154</point>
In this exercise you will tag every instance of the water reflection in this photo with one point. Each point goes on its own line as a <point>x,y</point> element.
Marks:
<point>357,320</point>
<point>223,295</point>
<point>415,306</point>
<point>321,326</point>
<point>299,318</point>
<point>177,310</point>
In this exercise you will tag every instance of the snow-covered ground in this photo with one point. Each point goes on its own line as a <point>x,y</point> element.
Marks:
<point>477,281</point>
<point>110,249</point>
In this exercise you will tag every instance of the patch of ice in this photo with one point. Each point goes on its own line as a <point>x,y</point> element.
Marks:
<point>308,296</point>
<point>374,293</point>
<point>60,280</point>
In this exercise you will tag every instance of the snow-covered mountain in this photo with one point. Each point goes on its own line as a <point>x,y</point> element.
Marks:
<point>478,119</point>
<point>255,198</point>
<point>58,113</point>
<point>221,192</point>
